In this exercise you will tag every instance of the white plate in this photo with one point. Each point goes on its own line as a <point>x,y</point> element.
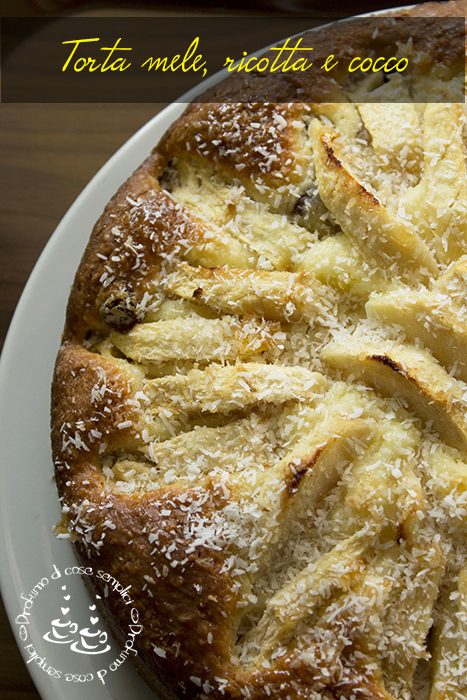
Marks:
<point>28,498</point>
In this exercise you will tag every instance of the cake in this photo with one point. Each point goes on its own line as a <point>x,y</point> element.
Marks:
<point>259,408</point>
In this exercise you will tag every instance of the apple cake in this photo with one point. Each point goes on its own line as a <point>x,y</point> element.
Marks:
<point>259,410</point>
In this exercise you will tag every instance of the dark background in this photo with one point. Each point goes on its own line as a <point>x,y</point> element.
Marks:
<point>49,152</point>
<point>310,8</point>
<point>42,57</point>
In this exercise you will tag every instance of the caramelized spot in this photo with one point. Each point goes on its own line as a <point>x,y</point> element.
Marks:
<point>297,471</point>
<point>389,362</point>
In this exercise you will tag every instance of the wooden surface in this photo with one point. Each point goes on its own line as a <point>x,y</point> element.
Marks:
<point>48,154</point>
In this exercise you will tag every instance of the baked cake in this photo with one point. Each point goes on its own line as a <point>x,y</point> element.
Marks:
<point>259,416</point>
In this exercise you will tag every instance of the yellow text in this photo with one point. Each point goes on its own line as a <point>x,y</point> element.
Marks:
<point>262,64</point>
<point>385,64</point>
<point>185,63</point>
<point>90,63</point>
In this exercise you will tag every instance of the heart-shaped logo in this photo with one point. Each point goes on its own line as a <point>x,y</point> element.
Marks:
<point>65,610</point>
<point>66,597</point>
<point>92,607</point>
<point>94,620</point>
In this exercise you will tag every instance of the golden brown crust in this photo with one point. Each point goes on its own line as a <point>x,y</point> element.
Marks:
<point>113,530</point>
<point>82,312</point>
<point>181,614</point>
<point>236,138</point>
<point>221,450</point>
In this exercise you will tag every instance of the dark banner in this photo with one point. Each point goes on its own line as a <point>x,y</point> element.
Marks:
<point>232,59</point>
